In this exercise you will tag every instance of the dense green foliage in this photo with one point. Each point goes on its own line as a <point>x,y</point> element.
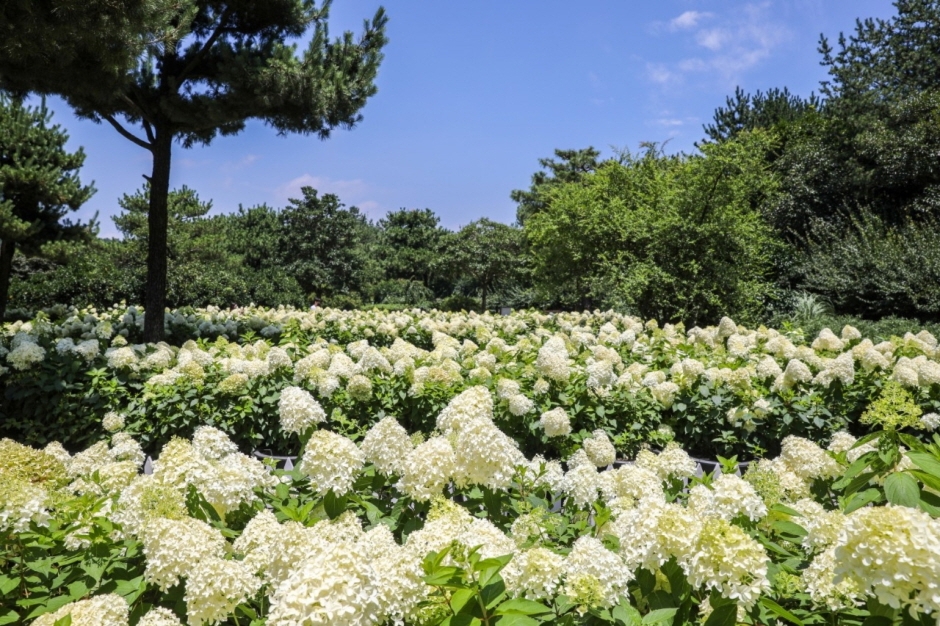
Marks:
<point>673,238</point>
<point>39,185</point>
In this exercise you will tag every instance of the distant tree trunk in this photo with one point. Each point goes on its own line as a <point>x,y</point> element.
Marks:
<point>483,299</point>
<point>7,249</point>
<point>155,298</point>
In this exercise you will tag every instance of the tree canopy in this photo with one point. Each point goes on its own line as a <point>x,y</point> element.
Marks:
<point>187,71</point>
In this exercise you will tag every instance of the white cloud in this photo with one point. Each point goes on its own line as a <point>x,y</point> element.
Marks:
<point>689,19</point>
<point>712,38</point>
<point>733,44</point>
<point>659,73</point>
<point>354,192</point>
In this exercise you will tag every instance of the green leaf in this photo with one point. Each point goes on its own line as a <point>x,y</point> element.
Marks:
<point>523,606</point>
<point>878,620</point>
<point>902,488</point>
<point>8,584</point>
<point>463,598</point>
<point>441,576</point>
<point>781,508</point>
<point>789,529</point>
<point>516,619</point>
<point>926,462</point>
<point>626,614</point>
<point>724,615</point>
<point>334,505</point>
<point>659,615</point>
<point>661,599</point>
<point>779,610</point>
<point>461,620</point>
<point>9,616</point>
<point>860,499</point>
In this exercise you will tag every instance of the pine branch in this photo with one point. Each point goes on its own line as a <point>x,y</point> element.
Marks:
<point>199,56</point>
<point>127,134</point>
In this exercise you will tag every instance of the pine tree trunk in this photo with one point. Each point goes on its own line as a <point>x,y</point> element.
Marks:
<point>7,249</point>
<point>155,297</point>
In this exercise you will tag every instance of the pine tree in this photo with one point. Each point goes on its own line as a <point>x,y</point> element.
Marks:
<point>186,71</point>
<point>39,185</point>
<point>571,166</point>
<point>745,111</point>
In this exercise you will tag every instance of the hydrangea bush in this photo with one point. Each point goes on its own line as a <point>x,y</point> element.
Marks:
<point>555,380</point>
<point>461,527</point>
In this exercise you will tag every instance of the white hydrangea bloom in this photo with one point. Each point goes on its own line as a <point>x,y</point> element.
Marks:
<point>727,559</point>
<point>822,526</point>
<point>594,576</point>
<point>332,462</point>
<point>850,334</point>
<point>726,327</point>
<point>428,469</point>
<point>842,368</point>
<point>342,366</point>
<point>892,552</point>
<point>277,358</point>
<point>214,587</point>
<point>556,422</point>
<point>22,503</point>
<point>767,367</point>
<point>673,462</point>
<point>820,582</point>
<point>930,421</point>
<point>631,483</point>
<point>534,574</point>
<point>519,405</point>
<point>25,355</point>
<point>104,610</point>
<point>174,547</point>
<point>112,421</point>
<point>88,349</point>
<point>728,497</point>
<point>665,393</point>
<point>119,358</point>
<point>827,340</point>
<point>796,372</point>
<point>57,451</point>
<point>387,445</point>
<point>841,441</point>
<point>807,460</point>
<point>212,443</point>
<point>552,360</point>
<point>299,410</point>
<point>339,588</point>
<point>581,483</point>
<point>599,449</point>
<point>600,374</point>
<point>473,403</point>
<point>159,616</point>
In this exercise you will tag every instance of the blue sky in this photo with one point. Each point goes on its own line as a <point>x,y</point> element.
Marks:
<point>472,94</point>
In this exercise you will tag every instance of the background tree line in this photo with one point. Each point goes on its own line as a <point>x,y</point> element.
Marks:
<point>830,201</point>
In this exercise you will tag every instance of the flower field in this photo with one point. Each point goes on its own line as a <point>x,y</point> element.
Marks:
<point>464,469</point>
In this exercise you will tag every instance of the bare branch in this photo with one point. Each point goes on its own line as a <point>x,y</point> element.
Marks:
<point>127,134</point>
<point>149,130</point>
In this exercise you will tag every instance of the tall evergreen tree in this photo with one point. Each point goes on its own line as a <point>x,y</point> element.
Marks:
<point>186,71</point>
<point>570,167</point>
<point>39,185</point>
<point>744,111</point>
